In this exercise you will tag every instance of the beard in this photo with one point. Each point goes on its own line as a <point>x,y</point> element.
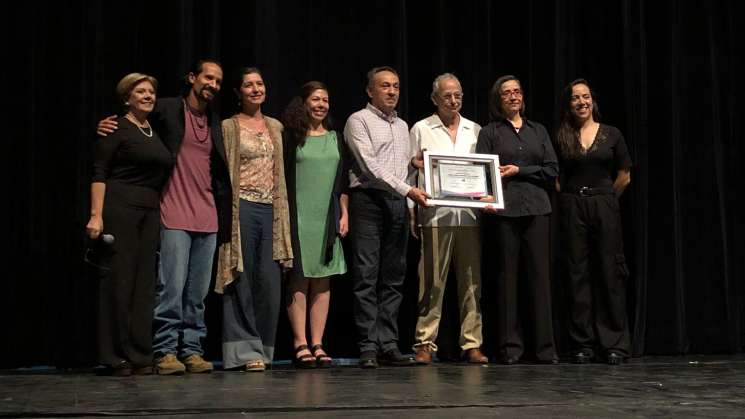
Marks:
<point>207,97</point>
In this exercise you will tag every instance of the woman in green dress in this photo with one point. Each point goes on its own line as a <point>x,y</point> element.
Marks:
<point>316,188</point>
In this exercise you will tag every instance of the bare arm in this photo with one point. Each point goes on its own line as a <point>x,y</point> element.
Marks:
<point>344,220</point>
<point>622,181</point>
<point>416,165</point>
<point>418,160</point>
<point>95,224</point>
<point>413,228</point>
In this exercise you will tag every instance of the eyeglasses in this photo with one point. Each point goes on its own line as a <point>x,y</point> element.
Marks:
<point>452,96</point>
<point>510,93</point>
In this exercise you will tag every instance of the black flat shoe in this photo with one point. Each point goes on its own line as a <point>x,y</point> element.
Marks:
<point>368,360</point>
<point>615,359</point>
<point>304,362</point>
<point>550,361</point>
<point>394,358</point>
<point>122,369</point>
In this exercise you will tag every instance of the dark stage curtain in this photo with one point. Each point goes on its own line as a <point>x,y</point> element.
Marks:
<point>668,73</point>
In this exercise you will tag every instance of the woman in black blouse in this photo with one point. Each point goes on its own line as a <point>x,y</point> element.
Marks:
<point>595,169</point>
<point>129,170</point>
<point>528,166</point>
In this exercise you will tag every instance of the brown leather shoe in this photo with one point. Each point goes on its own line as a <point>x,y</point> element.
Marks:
<point>143,370</point>
<point>423,354</point>
<point>475,356</point>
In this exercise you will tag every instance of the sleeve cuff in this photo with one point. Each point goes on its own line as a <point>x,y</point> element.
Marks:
<point>403,188</point>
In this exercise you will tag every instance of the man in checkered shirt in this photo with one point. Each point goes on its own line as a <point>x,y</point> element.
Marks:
<point>380,180</point>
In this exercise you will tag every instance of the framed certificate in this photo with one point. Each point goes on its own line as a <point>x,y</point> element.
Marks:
<point>463,180</point>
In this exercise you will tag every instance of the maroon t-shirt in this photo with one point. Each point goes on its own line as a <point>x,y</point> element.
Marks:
<point>187,202</point>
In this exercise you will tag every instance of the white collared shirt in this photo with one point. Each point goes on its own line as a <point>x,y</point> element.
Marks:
<point>431,134</point>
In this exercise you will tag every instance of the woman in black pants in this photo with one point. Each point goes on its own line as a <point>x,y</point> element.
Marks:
<point>527,166</point>
<point>130,168</point>
<point>595,169</point>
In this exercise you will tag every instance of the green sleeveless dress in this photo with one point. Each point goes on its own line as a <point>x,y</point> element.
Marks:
<point>315,169</point>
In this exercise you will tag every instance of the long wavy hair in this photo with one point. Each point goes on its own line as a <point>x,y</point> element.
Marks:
<point>568,136</point>
<point>296,117</point>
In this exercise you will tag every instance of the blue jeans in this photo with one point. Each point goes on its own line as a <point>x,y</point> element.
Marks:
<point>184,274</point>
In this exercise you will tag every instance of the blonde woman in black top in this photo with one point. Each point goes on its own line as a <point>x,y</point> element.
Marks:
<point>130,168</point>
<point>595,170</point>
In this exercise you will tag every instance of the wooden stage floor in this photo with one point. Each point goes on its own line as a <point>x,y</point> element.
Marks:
<point>692,386</point>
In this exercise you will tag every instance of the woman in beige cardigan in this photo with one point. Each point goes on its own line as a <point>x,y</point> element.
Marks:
<point>248,273</point>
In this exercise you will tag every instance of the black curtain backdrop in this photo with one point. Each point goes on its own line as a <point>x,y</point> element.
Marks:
<point>668,73</point>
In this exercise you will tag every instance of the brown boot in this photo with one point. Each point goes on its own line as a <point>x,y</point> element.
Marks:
<point>169,365</point>
<point>423,354</point>
<point>475,356</point>
<point>195,364</point>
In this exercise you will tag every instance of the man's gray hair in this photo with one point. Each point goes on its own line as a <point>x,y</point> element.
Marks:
<point>439,79</point>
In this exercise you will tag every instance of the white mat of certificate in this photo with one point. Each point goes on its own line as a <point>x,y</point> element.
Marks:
<point>463,180</point>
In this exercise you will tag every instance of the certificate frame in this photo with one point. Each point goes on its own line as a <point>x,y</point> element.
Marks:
<point>433,181</point>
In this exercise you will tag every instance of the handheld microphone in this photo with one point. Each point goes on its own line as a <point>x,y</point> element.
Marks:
<point>98,251</point>
<point>106,239</point>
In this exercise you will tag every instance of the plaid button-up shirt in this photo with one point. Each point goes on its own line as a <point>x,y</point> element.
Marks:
<point>382,151</point>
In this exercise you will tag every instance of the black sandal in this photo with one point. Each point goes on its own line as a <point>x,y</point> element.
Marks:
<point>303,361</point>
<point>323,360</point>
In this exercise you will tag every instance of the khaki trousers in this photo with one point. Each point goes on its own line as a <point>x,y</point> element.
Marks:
<point>440,245</point>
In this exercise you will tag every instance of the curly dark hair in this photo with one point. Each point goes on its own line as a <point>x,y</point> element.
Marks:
<point>567,136</point>
<point>296,118</point>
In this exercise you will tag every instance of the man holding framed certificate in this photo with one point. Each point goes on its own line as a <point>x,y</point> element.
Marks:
<point>378,183</point>
<point>449,233</point>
